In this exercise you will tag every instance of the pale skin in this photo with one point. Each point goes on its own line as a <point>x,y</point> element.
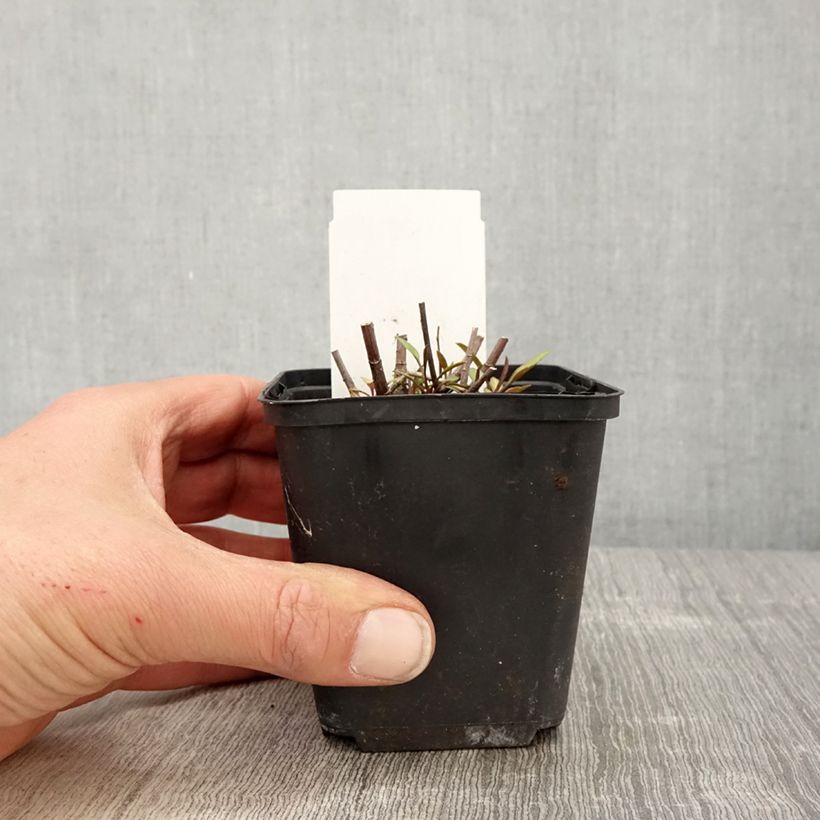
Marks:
<point>109,580</point>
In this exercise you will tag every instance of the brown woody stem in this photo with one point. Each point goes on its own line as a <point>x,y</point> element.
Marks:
<point>428,349</point>
<point>472,348</point>
<point>504,373</point>
<point>345,373</point>
<point>400,371</point>
<point>489,365</point>
<point>401,356</point>
<point>374,359</point>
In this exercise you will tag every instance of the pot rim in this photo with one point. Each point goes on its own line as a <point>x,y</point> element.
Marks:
<point>284,407</point>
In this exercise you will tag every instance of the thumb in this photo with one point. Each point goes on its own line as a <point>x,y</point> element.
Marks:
<point>309,622</point>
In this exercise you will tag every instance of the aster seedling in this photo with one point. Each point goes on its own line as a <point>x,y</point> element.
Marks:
<point>433,373</point>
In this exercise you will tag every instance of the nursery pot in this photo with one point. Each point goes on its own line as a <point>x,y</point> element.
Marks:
<point>478,504</point>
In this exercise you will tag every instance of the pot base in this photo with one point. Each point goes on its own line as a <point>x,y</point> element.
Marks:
<point>434,738</point>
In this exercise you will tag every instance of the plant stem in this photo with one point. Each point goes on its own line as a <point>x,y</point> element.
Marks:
<point>428,350</point>
<point>345,373</point>
<point>401,356</point>
<point>489,365</point>
<point>472,348</point>
<point>504,373</point>
<point>374,359</point>
<point>400,371</point>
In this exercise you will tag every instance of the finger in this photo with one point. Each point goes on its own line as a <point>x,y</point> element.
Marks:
<point>309,622</point>
<point>172,676</point>
<point>205,415</point>
<point>13,738</point>
<point>235,483</point>
<point>255,546</point>
<point>180,675</point>
<point>243,484</point>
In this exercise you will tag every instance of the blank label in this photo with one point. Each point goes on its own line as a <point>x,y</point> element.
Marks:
<point>390,250</point>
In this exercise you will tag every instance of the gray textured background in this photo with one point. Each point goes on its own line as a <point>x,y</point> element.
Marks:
<point>650,174</point>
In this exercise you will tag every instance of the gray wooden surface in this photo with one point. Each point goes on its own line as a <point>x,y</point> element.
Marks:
<point>695,695</point>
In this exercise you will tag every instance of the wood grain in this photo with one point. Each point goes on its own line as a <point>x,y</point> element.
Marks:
<point>695,695</point>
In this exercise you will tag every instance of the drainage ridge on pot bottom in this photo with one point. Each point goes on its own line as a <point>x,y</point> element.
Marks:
<point>481,506</point>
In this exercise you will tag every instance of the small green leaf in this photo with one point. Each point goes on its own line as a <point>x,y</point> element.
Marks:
<point>418,383</point>
<point>494,384</point>
<point>518,388</point>
<point>398,384</point>
<point>525,368</point>
<point>442,362</point>
<point>450,367</point>
<point>413,352</point>
<point>476,361</point>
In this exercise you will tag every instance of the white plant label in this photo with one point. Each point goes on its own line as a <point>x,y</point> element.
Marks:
<point>390,250</point>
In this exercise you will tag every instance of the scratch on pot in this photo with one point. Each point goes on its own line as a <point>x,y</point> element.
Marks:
<point>306,528</point>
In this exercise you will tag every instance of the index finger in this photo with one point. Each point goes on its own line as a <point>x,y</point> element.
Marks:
<point>207,415</point>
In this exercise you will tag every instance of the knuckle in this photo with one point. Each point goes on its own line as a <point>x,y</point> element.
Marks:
<point>302,626</point>
<point>78,405</point>
<point>76,399</point>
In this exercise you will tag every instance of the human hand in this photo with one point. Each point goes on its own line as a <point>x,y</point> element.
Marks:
<point>108,582</point>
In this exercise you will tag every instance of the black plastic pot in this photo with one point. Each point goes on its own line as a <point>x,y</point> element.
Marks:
<point>481,506</point>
